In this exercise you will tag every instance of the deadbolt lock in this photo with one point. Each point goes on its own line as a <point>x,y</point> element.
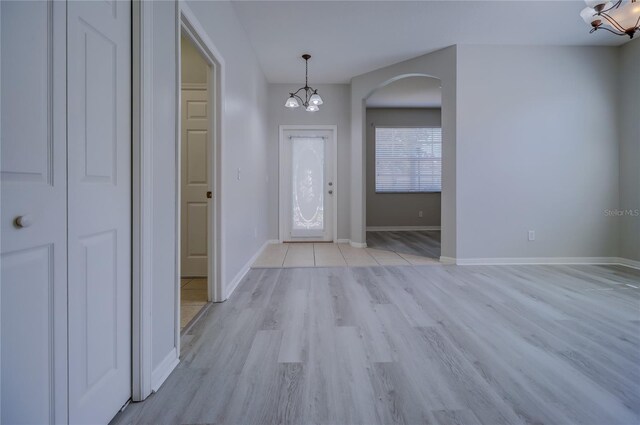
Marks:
<point>209,195</point>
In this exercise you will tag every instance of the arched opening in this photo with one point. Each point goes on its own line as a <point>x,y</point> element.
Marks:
<point>403,167</point>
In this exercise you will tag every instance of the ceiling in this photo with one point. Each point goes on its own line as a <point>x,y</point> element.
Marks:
<point>410,92</point>
<point>349,38</point>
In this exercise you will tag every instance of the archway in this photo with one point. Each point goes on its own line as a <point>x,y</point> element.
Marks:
<point>403,152</point>
<point>442,65</point>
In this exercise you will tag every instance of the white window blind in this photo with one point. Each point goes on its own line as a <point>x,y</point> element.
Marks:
<point>408,159</point>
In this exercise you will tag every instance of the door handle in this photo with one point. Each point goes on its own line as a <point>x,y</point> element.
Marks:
<point>209,195</point>
<point>331,192</point>
<point>23,221</point>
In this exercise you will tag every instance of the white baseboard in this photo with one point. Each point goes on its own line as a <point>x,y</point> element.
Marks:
<point>358,244</point>
<point>400,228</point>
<point>164,369</point>
<point>245,269</point>
<point>540,260</point>
<point>634,264</point>
<point>533,260</point>
<point>447,260</point>
<point>343,241</point>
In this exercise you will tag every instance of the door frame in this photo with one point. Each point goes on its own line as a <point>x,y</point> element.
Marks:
<point>334,157</point>
<point>143,382</point>
<point>191,28</point>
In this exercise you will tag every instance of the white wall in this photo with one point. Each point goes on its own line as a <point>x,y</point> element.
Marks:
<point>164,186</point>
<point>629,113</point>
<point>244,144</point>
<point>334,111</point>
<point>537,150</point>
<point>399,209</point>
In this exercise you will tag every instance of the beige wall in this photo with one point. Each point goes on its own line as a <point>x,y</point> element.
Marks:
<point>399,209</point>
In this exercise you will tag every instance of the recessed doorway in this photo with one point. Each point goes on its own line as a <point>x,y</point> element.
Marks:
<point>196,175</point>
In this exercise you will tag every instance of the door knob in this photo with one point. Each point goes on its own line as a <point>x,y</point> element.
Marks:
<point>331,192</point>
<point>23,221</point>
<point>209,195</point>
<point>330,183</point>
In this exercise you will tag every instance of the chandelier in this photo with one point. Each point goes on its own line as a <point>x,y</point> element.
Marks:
<point>618,17</point>
<point>312,99</point>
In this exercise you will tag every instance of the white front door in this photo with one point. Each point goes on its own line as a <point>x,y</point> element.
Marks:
<point>99,208</point>
<point>33,215</point>
<point>195,182</point>
<point>307,185</point>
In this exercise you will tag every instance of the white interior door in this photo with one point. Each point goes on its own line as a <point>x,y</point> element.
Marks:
<point>99,208</point>
<point>195,182</point>
<point>307,185</point>
<point>34,187</point>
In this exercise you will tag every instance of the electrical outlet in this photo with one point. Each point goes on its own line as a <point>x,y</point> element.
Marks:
<point>532,235</point>
<point>420,213</point>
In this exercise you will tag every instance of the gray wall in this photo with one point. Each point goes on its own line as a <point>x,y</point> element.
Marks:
<point>537,150</point>
<point>334,111</point>
<point>399,209</point>
<point>629,113</point>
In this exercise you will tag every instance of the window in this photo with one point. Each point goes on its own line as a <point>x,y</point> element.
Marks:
<point>408,160</point>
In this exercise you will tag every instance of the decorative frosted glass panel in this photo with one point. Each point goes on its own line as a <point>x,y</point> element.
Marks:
<point>307,159</point>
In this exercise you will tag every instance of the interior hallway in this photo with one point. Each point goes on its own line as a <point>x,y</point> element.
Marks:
<point>440,345</point>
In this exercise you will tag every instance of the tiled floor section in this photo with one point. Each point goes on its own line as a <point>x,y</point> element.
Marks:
<point>193,296</point>
<point>333,255</point>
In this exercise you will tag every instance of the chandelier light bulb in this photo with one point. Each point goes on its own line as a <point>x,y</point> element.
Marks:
<point>626,15</point>
<point>315,99</point>
<point>292,102</point>
<point>589,15</point>
<point>312,108</point>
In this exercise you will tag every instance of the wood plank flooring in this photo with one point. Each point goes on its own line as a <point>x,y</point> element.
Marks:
<point>411,345</point>
<point>421,243</point>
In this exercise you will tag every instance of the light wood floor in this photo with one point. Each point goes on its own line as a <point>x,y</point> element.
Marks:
<point>412,345</point>
<point>423,243</point>
<point>193,297</point>
<point>333,255</point>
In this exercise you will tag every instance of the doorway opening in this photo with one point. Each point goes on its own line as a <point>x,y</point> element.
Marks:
<point>195,180</point>
<point>404,167</point>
